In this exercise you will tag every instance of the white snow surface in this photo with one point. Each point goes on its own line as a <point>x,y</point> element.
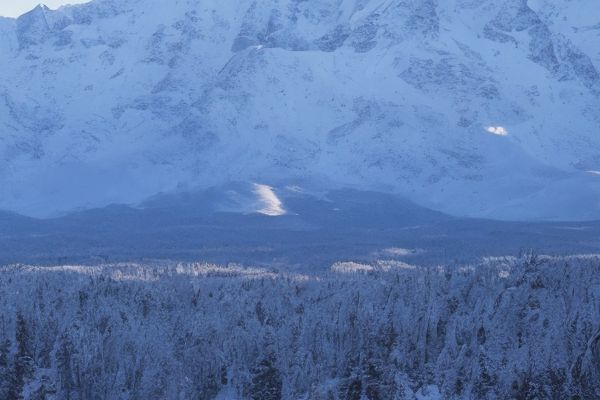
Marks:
<point>475,108</point>
<point>270,204</point>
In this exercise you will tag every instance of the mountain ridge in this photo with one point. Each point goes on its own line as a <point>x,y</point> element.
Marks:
<point>481,109</point>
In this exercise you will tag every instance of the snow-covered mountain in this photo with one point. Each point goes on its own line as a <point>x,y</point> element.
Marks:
<point>478,108</point>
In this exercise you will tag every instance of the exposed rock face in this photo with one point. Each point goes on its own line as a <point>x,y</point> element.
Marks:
<point>114,101</point>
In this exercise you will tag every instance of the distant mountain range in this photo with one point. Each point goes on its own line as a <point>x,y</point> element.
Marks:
<point>474,108</point>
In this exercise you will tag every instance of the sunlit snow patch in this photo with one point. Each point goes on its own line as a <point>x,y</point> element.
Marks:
<point>271,205</point>
<point>350,267</point>
<point>497,130</point>
<point>398,251</point>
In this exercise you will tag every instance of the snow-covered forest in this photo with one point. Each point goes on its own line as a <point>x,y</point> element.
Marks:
<point>524,328</point>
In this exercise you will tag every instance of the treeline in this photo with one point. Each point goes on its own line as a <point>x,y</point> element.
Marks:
<point>526,328</point>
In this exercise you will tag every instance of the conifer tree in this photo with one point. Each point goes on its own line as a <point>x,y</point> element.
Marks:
<point>266,380</point>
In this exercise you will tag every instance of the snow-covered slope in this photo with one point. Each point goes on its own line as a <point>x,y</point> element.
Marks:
<point>479,108</point>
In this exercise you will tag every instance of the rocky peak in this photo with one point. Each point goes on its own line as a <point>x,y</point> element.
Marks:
<point>40,24</point>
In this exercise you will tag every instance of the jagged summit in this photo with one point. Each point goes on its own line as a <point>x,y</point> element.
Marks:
<point>39,9</point>
<point>481,108</point>
<point>39,25</point>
